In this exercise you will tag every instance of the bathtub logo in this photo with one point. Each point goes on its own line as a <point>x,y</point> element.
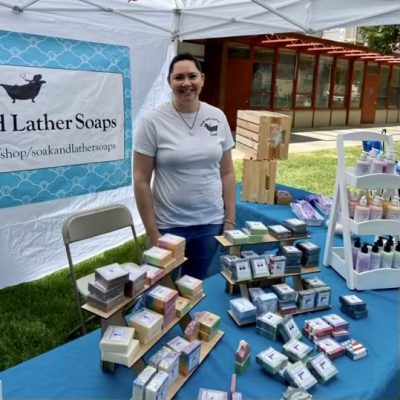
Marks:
<point>29,91</point>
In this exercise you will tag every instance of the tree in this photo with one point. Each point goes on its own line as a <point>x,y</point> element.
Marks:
<point>383,38</point>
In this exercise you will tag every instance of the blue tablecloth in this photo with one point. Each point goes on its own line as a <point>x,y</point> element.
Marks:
<point>73,371</point>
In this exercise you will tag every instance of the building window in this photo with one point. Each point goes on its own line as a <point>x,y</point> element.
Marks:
<point>383,86</point>
<point>283,97</point>
<point>239,51</point>
<point>357,84</point>
<point>394,97</point>
<point>305,81</point>
<point>323,82</point>
<point>261,82</point>
<point>340,84</point>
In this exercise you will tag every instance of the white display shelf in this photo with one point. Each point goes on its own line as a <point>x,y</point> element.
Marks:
<point>372,181</point>
<point>382,278</point>
<point>341,258</point>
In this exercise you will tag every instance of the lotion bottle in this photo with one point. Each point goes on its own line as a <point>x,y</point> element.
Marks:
<point>356,250</point>
<point>363,259</point>
<point>376,209</point>
<point>396,257</point>
<point>375,261</point>
<point>387,256</point>
<point>390,163</point>
<point>393,209</point>
<point>377,164</point>
<point>363,165</point>
<point>354,199</point>
<point>361,211</point>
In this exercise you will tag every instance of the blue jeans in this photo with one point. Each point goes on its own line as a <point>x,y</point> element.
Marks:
<point>200,249</point>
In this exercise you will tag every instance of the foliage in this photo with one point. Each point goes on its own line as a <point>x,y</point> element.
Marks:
<point>383,38</point>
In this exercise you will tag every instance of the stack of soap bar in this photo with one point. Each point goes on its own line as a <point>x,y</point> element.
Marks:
<point>157,256</point>
<point>286,298</point>
<point>192,330</point>
<point>244,310</point>
<point>354,349</point>
<point>296,350</point>
<point>277,265</point>
<point>161,299</point>
<point>289,329</point>
<point>139,384</point>
<point>267,325</point>
<point>322,368</point>
<point>330,347</point>
<point>147,324</point>
<point>190,287</point>
<point>271,360</point>
<point>227,262</point>
<point>353,306</point>
<point>313,283</point>
<point>182,306</point>
<point>242,356</point>
<point>177,344</point>
<point>310,253</point>
<point>170,364</point>
<point>236,236</point>
<point>293,259</point>
<point>256,231</point>
<point>190,357</point>
<point>266,302</point>
<point>259,266</point>
<point>153,274</point>
<point>118,346</point>
<point>281,374</point>
<point>241,270</point>
<point>292,393</point>
<point>108,288</point>
<point>174,243</point>
<point>317,328</point>
<point>208,324</point>
<point>248,254</point>
<point>155,359</point>
<point>137,278</point>
<point>323,296</point>
<point>306,299</point>
<point>210,394</point>
<point>157,388</point>
<point>300,376</point>
<point>254,292</point>
<point>279,232</point>
<point>298,227</point>
<point>336,321</point>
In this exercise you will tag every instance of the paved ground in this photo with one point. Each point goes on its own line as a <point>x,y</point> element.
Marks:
<point>325,138</point>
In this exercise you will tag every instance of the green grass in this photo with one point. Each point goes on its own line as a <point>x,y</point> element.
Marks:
<point>38,316</point>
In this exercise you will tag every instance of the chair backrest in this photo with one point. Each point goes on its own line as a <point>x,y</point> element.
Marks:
<point>95,222</point>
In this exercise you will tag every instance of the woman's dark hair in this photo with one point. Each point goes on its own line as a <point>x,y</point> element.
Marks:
<point>183,57</point>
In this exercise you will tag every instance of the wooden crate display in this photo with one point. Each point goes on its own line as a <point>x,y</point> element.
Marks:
<point>259,132</point>
<point>258,181</point>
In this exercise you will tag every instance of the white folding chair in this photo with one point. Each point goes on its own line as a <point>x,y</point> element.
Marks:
<point>88,224</point>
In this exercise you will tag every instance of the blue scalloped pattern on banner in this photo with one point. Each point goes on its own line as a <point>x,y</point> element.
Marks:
<point>33,186</point>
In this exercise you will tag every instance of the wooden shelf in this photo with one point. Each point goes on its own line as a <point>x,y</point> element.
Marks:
<point>304,271</point>
<point>130,300</point>
<point>268,239</point>
<point>205,350</point>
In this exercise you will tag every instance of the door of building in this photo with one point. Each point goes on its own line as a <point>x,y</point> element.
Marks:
<point>369,98</point>
<point>237,88</point>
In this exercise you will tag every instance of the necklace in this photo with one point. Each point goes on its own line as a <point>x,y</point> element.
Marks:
<point>184,120</point>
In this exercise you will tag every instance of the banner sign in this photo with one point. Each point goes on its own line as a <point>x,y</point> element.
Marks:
<point>65,120</point>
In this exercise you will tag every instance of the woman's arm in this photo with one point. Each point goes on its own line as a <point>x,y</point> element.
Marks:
<point>228,189</point>
<point>143,167</point>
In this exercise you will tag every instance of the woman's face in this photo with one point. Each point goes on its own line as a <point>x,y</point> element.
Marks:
<point>186,82</point>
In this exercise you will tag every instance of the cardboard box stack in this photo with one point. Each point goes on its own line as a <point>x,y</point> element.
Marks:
<point>264,137</point>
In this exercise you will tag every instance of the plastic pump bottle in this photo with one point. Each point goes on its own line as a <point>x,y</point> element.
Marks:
<point>356,250</point>
<point>376,209</point>
<point>363,165</point>
<point>379,243</point>
<point>354,199</point>
<point>363,259</point>
<point>396,257</point>
<point>390,163</point>
<point>361,211</point>
<point>387,256</point>
<point>393,209</point>
<point>375,261</point>
<point>377,164</point>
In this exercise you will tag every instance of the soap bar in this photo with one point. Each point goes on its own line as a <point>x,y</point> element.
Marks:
<point>117,339</point>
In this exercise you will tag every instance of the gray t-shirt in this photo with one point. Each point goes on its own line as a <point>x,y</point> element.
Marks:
<point>187,187</point>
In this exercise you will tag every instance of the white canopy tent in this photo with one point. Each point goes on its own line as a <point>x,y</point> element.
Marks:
<point>30,236</point>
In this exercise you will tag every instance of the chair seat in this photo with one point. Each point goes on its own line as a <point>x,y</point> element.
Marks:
<point>83,284</point>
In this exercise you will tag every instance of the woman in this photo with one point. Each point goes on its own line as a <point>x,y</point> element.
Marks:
<point>186,144</point>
